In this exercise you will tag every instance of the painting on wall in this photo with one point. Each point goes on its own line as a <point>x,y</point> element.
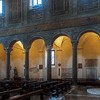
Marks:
<point>87,5</point>
<point>40,66</point>
<point>79,65</point>
<point>91,62</point>
<point>60,7</point>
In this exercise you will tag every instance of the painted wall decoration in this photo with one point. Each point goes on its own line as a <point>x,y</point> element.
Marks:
<point>60,7</point>
<point>15,11</point>
<point>87,5</point>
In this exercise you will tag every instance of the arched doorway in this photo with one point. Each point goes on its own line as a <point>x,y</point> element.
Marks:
<point>2,62</point>
<point>17,59</point>
<point>37,60</point>
<point>89,56</point>
<point>63,58</point>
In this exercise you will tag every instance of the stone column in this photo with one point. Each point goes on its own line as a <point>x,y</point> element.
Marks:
<point>74,63</point>
<point>49,63</point>
<point>7,63</point>
<point>26,73</point>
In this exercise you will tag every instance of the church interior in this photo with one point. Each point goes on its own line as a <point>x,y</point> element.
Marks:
<point>49,49</point>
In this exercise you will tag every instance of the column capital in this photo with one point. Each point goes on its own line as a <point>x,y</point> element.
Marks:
<point>49,47</point>
<point>27,49</point>
<point>74,43</point>
<point>7,49</point>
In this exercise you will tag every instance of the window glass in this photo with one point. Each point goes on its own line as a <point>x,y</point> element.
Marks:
<point>53,57</point>
<point>0,6</point>
<point>39,2</point>
<point>35,2</point>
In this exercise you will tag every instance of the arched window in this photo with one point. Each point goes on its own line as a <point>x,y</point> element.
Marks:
<point>35,3</point>
<point>0,6</point>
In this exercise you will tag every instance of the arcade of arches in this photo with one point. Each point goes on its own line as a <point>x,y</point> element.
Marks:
<point>86,57</point>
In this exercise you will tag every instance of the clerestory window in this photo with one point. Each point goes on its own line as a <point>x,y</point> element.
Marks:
<point>34,3</point>
<point>0,6</point>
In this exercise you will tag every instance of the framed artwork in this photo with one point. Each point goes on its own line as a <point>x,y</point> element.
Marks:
<point>40,66</point>
<point>79,65</point>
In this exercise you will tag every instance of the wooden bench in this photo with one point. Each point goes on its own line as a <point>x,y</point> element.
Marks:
<point>26,96</point>
<point>7,94</point>
<point>56,89</point>
<point>52,88</point>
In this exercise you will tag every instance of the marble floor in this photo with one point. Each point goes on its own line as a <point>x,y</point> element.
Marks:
<point>79,93</point>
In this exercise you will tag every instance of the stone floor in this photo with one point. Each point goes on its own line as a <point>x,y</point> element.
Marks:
<point>79,93</point>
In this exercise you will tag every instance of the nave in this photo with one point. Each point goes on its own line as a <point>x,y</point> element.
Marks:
<point>27,90</point>
<point>45,90</point>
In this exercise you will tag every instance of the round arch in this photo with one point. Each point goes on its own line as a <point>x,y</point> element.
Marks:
<point>33,39</point>
<point>86,31</point>
<point>58,35</point>
<point>17,59</point>
<point>62,45</point>
<point>37,58</point>
<point>13,42</point>
<point>88,55</point>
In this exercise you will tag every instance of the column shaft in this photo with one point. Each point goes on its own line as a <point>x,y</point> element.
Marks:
<point>27,65</point>
<point>74,63</point>
<point>49,63</point>
<point>7,64</point>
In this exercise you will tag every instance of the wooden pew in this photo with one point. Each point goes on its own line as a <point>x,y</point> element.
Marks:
<point>6,94</point>
<point>48,84</point>
<point>57,89</point>
<point>26,96</point>
<point>10,91</point>
<point>52,88</point>
<point>32,86</point>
